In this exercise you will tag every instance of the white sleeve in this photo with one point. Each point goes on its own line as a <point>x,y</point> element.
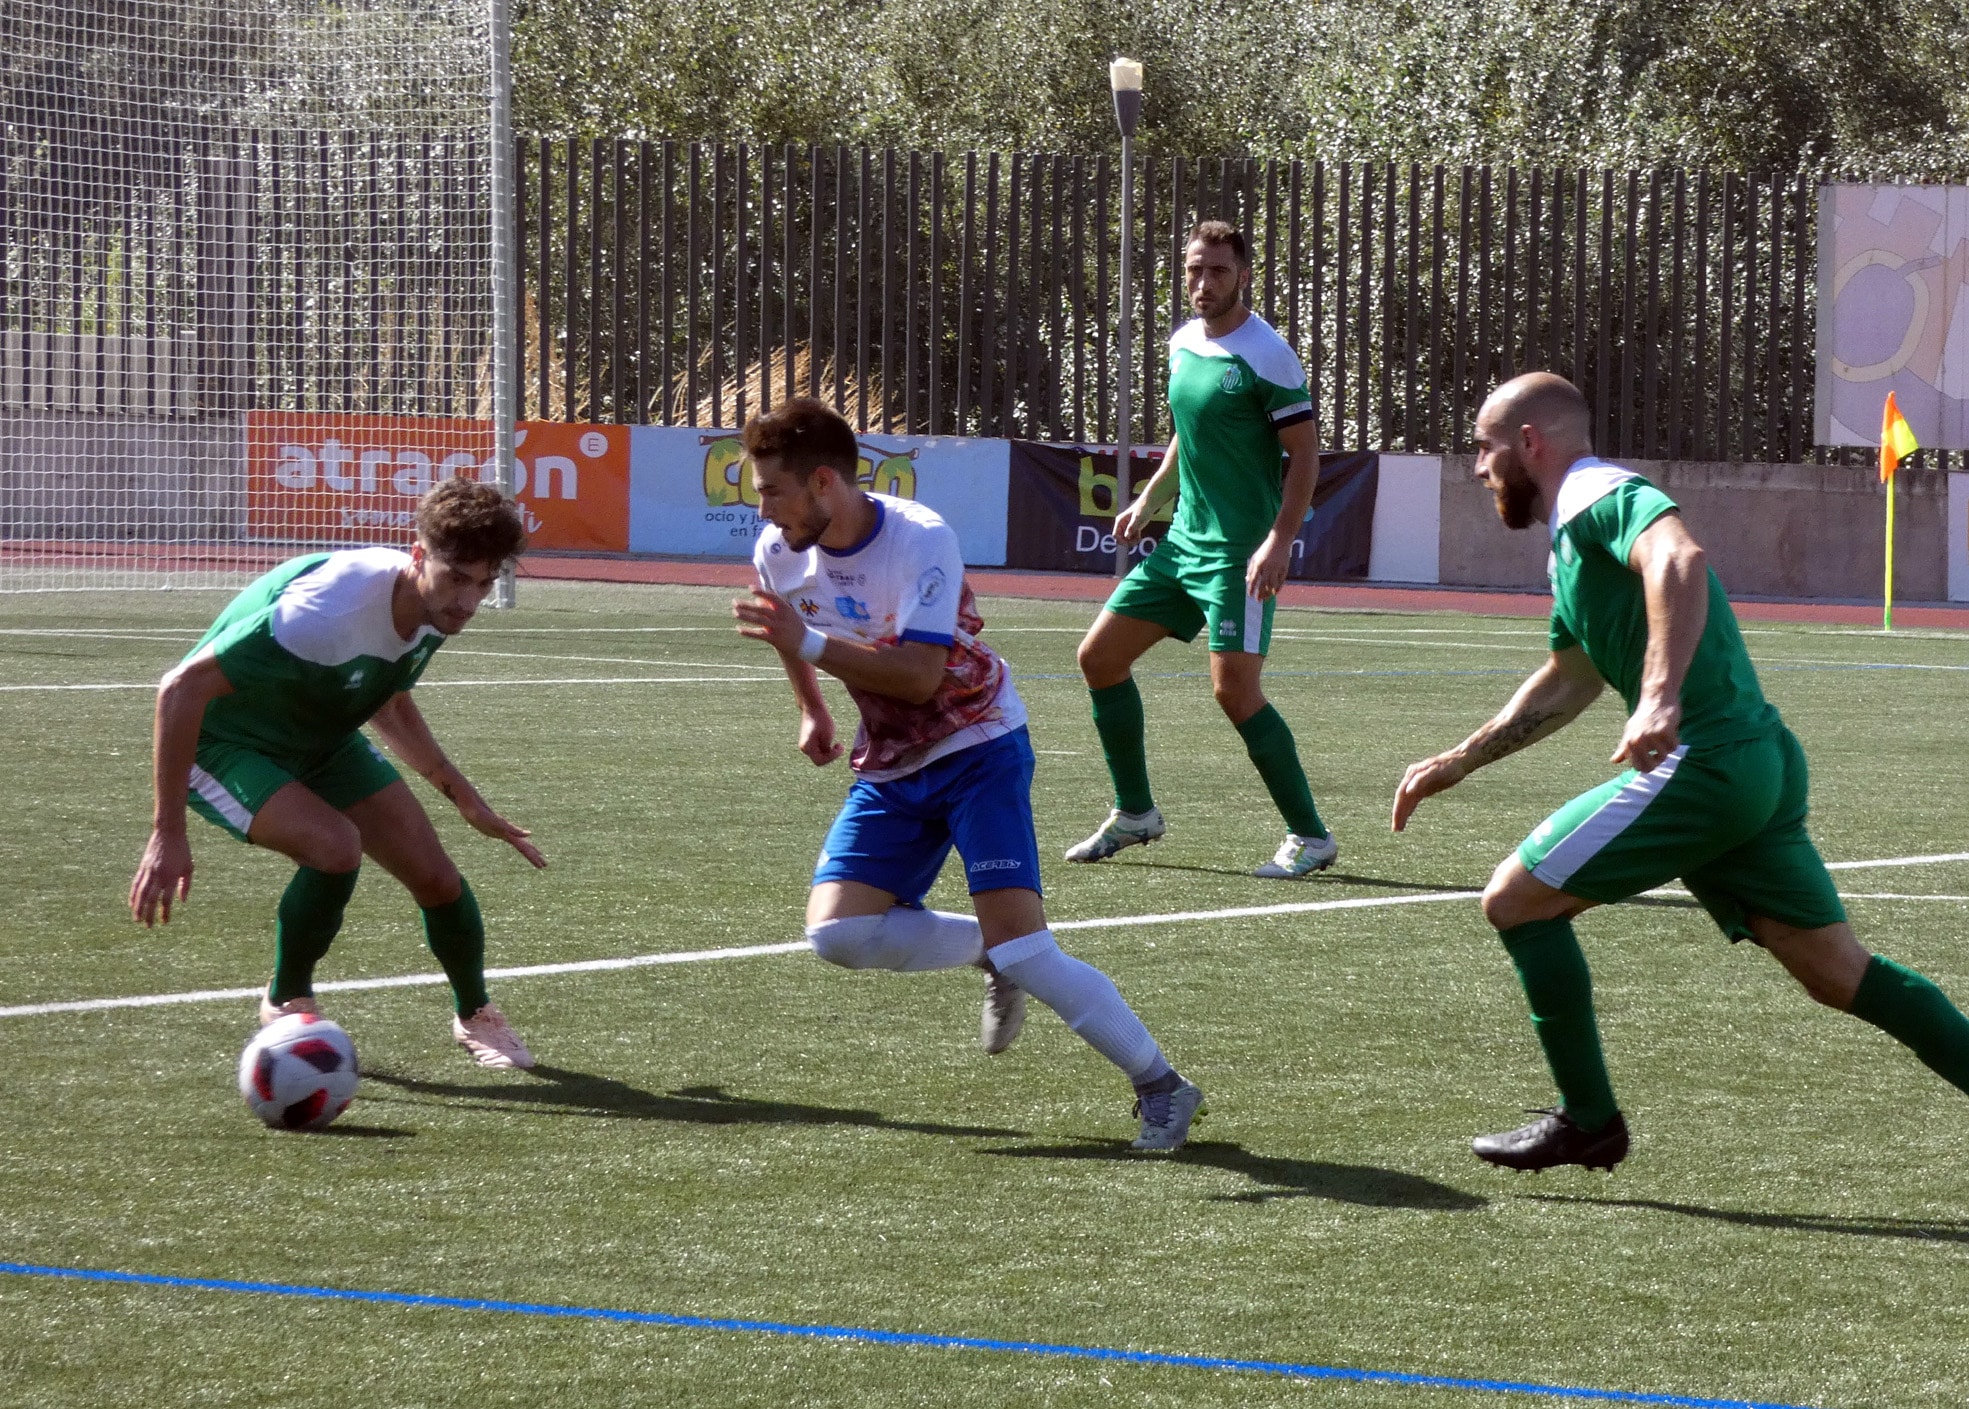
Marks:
<point>933,576</point>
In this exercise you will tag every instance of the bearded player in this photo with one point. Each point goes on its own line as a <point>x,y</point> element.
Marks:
<point>258,730</point>
<point>871,590</point>
<point>1714,790</point>
<point>1246,459</point>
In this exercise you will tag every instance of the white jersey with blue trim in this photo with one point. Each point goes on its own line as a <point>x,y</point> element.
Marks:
<point>903,582</point>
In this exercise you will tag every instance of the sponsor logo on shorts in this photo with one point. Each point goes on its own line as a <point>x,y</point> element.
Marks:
<point>1229,627</point>
<point>994,866</point>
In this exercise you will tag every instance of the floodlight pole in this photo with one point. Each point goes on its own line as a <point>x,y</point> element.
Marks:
<point>1125,79</point>
<point>504,373</point>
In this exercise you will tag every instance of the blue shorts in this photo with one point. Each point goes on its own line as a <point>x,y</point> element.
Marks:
<point>895,835</point>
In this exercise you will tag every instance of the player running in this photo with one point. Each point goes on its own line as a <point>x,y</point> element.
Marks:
<point>1714,791</point>
<point>871,589</point>
<point>257,731</point>
<point>1238,398</point>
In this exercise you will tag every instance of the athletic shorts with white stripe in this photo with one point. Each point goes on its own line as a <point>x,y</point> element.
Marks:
<point>1174,592</point>
<point>230,783</point>
<point>1727,819</point>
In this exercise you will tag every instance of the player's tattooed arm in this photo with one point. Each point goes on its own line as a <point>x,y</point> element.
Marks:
<point>1552,698</point>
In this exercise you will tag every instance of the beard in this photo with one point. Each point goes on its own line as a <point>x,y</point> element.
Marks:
<point>1516,498</point>
<point>1210,310</point>
<point>803,535</point>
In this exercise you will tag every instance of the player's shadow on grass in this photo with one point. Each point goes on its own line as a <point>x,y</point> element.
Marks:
<point>1942,1230</point>
<point>557,1091</point>
<point>1324,878</point>
<point>368,1132</point>
<point>1277,1178</point>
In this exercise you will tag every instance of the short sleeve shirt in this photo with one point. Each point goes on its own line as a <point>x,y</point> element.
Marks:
<point>1229,398</point>
<point>903,582</point>
<point>1600,603</point>
<point>311,651</point>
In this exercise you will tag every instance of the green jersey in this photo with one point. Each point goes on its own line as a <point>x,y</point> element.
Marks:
<point>1229,398</point>
<point>311,651</point>
<point>1598,602</point>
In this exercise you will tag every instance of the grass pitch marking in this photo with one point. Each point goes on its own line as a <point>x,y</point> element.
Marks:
<point>751,951</point>
<point>918,1340</point>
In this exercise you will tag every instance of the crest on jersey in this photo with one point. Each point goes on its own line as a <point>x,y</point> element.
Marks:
<point>930,586</point>
<point>1233,378</point>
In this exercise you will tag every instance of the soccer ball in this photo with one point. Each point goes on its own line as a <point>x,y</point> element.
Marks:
<point>298,1073</point>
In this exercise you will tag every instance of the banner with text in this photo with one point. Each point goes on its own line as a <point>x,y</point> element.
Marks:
<point>1062,506</point>
<point>333,478</point>
<point>690,492</point>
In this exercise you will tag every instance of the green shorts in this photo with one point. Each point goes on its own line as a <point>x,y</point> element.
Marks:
<point>1185,597</point>
<point>230,783</point>
<point>1727,819</point>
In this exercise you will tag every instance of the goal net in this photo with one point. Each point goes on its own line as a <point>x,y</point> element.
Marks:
<point>250,300</point>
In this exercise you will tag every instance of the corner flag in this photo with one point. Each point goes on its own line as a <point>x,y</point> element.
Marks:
<point>1897,442</point>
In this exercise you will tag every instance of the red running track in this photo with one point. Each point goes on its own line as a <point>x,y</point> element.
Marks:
<point>1087,587</point>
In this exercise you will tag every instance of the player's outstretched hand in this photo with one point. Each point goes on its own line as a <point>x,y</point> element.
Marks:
<point>764,617</point>
<point>484,819</point>
<point>164,873</point>
<point>1652,733</point>
<point>817,740</point>
<point>1425,779</point>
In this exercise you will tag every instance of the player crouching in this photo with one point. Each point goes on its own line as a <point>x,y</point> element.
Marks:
<point>257,730</point>
<point>871,589</point>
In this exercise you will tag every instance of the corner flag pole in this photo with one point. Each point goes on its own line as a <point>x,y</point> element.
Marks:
<point>1125,79</point>
<point>1897,442</point>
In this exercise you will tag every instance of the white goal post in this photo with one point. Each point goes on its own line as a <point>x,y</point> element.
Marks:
<point>254,279</point>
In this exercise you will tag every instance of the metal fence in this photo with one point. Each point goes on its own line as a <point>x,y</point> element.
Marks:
<point>975,295</point>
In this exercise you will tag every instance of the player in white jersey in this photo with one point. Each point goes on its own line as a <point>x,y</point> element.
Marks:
<point>871,589</point>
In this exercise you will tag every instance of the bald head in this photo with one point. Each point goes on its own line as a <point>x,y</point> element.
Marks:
<point>1547,401</point>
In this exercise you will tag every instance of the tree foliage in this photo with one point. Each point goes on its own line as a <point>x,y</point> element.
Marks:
<point>1879,85</point>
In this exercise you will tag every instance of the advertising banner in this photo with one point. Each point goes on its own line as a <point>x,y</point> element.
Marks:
<point>1893,313</point>
<point>332,477</point>
<point>690,493</point>
<point>1062,509</point>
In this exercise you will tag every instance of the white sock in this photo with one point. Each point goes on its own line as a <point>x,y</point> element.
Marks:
<point>1085,998</point>
<point>904,939</point>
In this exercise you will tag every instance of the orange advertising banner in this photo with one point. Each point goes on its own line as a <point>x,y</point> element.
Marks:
<point>330,477</point>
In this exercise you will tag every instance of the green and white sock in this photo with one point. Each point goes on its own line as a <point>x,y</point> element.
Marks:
<point>1913,1011</point>
<point>1559,987</point>
<point>1119,721</point>
<point>456,934</point>
<point>1268,739</point>
<point>309,917</point>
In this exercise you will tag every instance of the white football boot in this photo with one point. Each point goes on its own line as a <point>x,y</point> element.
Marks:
<point>272,1012</point>
<point>1120,831</point>
<point>491,1040</point>
<point>1166,1117</point>
<point>1299,857</point>
<point>1004,1013</point>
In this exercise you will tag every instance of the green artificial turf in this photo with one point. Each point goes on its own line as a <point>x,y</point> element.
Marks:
<point>772,1139</point>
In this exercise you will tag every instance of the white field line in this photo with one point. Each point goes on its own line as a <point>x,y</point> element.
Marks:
<point>452,684</point>
<point>638,961</point>
<point>605,660</point>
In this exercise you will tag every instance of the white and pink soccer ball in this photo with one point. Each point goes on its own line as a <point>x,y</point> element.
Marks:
<point>299,1072</point>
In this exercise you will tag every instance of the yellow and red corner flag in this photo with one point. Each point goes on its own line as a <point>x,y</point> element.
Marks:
<point>1897,440</point>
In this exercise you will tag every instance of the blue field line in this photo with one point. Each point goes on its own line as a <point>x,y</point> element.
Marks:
<point>917,1340</point>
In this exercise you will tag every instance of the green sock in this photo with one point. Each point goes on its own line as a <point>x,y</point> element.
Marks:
<point>1268,739</point>
<point>1911,1010</point>
<point>456,934</point>
<point>1124,742</point>
<point>305,925</point>
<point>1560,990</point>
